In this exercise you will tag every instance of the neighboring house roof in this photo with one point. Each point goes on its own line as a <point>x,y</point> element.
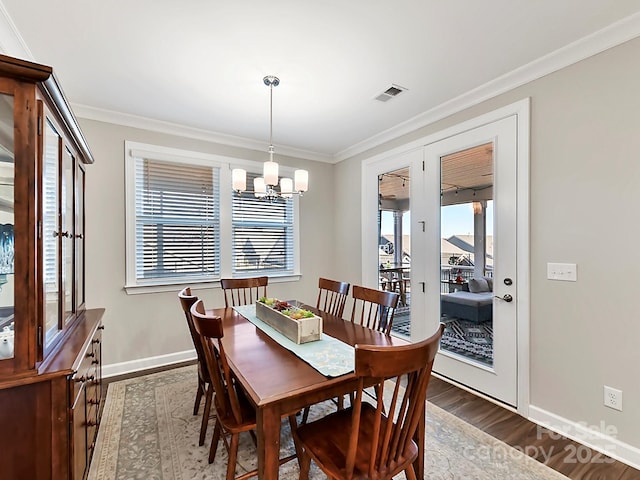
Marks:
<point>448,248</point>
<point>461,244</point>
<point>454,245</point>
<point>406,243</point>
<point>468,240</point>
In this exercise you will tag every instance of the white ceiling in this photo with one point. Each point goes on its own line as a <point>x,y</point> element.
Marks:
<point>200,63</point>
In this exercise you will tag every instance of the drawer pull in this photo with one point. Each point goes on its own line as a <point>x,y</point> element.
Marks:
<point>92,423</point>
<point>101,327</point>
<point>91,378</point>
<point>95,362</point>
<point>95,340</point>
<point>94,402</point>
<point>81,379</point>
<point>92,354</point>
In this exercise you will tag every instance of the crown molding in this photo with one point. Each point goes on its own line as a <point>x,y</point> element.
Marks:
<point>613,35</point>
<point>11,42</point>
<point>135,121</point>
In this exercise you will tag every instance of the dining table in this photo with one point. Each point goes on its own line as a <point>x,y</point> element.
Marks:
<point>278,382</point>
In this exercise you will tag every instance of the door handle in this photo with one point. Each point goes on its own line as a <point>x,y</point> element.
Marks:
<point>507,298</point>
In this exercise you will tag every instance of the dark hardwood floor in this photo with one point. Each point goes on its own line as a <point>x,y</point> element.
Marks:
<point>559,453</point>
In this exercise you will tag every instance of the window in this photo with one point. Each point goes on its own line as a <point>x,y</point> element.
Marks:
<point>185,225</point>
<point>263,235</point>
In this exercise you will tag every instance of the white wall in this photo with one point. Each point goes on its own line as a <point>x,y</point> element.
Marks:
<point>150,329</point>
<point>585,165</point>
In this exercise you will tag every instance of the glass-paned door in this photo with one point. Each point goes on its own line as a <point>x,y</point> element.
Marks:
<point>68,232</point>
<point>394,242</point>
<point>79,237</point>
<point>466,252</point>
<point>7,222</point>
<point>51,231</point>
<point>471,197</point>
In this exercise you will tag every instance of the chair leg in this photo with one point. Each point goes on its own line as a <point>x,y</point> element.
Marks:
<point>196,405</point>
<point>214,441</point>
<point>205,414</point>
<point>252,434</point>
<point>233,456</point>
<point>410,473</point>
<point>305,415</point>
<point>305,465</point>
<point>293,425</point>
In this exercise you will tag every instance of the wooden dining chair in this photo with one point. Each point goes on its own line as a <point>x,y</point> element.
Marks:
<point>234,413</point>
<point>332,296</point>
<point>363,441</point>
<point>243,291</point>
<point>204,383</point>
<point>374,308</point>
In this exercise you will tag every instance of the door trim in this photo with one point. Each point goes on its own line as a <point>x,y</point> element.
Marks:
<point>521,110</point>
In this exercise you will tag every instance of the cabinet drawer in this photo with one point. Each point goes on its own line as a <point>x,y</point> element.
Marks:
<point>89,370</point>
<point>92,427</point>
<point>83,378</point>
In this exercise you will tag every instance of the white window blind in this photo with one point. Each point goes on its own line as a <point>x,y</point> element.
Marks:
<point>177,224</point>
<point>262,235</point>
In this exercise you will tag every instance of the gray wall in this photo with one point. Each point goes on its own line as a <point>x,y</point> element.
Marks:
<point>585,139</point>
<point>584,169</point>
<point>141,326</point>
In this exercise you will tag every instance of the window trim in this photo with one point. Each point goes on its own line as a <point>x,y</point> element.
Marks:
<point>135,150</point>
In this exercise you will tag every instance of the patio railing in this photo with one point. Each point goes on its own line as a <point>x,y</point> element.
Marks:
<point>453,275</point>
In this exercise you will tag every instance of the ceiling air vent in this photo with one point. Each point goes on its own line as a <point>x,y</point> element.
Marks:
<point>389,93</point>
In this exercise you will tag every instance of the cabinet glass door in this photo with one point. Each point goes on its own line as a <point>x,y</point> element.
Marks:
<point>67,236</point>
<point>79,258</point>
<point>51,232</point>
<point>7,176</point>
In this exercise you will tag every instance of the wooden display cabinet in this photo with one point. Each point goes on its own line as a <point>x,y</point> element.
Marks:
<point>50,344</point>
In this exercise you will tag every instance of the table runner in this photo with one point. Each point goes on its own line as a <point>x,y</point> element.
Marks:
<point>329,356</point>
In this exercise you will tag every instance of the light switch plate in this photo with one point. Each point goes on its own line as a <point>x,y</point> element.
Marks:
<point>567,272</point>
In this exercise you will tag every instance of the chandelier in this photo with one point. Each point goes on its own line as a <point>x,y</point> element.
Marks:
<point>265,187</point>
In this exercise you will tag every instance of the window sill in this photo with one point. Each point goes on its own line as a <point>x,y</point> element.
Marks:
<point>195,284</point>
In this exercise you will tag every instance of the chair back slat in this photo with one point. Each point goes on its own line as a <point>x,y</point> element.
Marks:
<point>393,436</point>
<point>332,296</point>
<point>211,331</point>
<point>373,308</point>
<point>401,374</point>
<point>243,291</point>
<point>355,427</point>
<point>186,301</point>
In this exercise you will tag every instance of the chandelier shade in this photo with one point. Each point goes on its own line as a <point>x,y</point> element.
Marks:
<point>265,186</point>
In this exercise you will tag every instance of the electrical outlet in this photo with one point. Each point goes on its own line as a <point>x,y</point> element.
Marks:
<point>613,398</point>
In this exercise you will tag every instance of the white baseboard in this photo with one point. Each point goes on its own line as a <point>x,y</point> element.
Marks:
<point>147,363</point>
<point>598,437</point>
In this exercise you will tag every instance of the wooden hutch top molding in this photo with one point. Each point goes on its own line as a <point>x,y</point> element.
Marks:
<point>25,70</point>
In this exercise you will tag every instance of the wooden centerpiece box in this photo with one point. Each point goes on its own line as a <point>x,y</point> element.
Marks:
<point>297,324</point>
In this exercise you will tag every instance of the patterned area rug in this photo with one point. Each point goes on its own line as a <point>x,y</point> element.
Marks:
<point>473,340</point>
<point>149,432</point>
<point>466,338</point>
